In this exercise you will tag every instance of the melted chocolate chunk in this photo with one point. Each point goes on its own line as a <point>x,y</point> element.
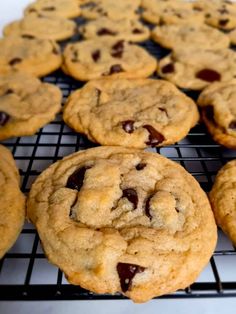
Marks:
<point>105,31</point>
<point>128,126</point>
<point>9,91</point>
<point>4,117</point>
<point>15,61</point>
<point>137,31</point>
<point>96,55</point>
<point>118,49</point>
<point>155,137</point>
<point>75,56</point>
<point>168,68</point>
<point>208,75</point>
<point>140,166</point>
<point>208,15</point>
<point>132,196</point>
<point>126,274</point>
<point>49,9</point>
<point>147,207</point>
<point>76,179</point>
<point>232,125</point>
<point>223,22</point>
<point>27,36</point>
<point>116,68</point>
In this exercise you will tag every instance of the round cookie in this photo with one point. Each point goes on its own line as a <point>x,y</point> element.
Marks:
<point>131,30</point>
<point>131,113</point>
<point>26,104</point>
<point>123,220</point>
<point>92,59</point>
<point>218,13</point>
<point>170,12</point>
<point>195,69</point>
<point>185,35</point>
<point>12,209</point>
<point>223,199</point>
<point>50,8</point>
<point>219,112</point>
<point>35,56</point>
<point>43,27</point>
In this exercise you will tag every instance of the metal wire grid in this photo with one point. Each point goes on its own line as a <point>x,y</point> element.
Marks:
<point>25,273</point>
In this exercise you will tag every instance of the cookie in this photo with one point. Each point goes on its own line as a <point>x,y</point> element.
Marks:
<point>183,35</point>
<point>223,199</point>
<point>218,13</point>
<point>219,112</point>
<point>92,59</point>
<point>12,200</point>
<point>197,68</point>
<point>232,37</point>
<point>43,27</point>
<point>123,220</point>
<point>114,10</point>
<point>35,56</point>
<point>51,8</point>
<point>26,104</point>
<point>131,113</point>
<point>131,30</point>
<point>170,12</point>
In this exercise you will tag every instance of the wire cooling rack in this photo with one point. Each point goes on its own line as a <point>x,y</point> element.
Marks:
<point>25,273</point>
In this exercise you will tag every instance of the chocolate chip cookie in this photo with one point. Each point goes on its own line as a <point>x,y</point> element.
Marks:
<point>123,220</point>
<point>131,30</point>
<point>26,104</point>
<point>50,8</point>
<point>189,35</point>
<point>219,112</point>
<point>170,12</point>
<point>131,113</point>
<point>43,27</point>
<point>35,56</point>
<point>223,199</point>
<point>12,209</point>
<point>95,58</point>
<point>194,68</point>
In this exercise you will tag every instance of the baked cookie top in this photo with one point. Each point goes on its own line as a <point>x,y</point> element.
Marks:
<point>12,209</point>
<point>114,10</point>
<point>26,104</point>
<point>170,12</point>
<point>116,219</point>
<point>43,27</point>
<point>131,113</point>
<point>92,59</point>
<point>218,13</point>
<point>189,35</point>
<point>50,8</point>
<point>30,55</point>
<point>219,111</point>
<point>223,199</point>
<point>194,68</point>
<point>131,30</point>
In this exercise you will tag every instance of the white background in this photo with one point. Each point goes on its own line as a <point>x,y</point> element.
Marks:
<point>9,11</point>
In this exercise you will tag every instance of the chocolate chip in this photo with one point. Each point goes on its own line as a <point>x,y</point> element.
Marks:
<point>76,179</point>
<point>96,55</point>
<point>9,91</point>
<point>32,10</point>
<point>168,68</point>
<point>98,96</point>
<point>223,22</point>
<point>118,49</point>
<point>105,31</point>
<point>197,9</point>
<point>116,68</point>
<point>75,56</point>
<point>4,117</point>
<point>27,36</point>
<point>132,196</point>
<point>208,15</point>
<point>49,9</point>
<point>155,137</point>
<point>15,61</point>
<point>126,273</point>
<point>232,125</point>
<point>137,31</point>
<point>147,207</point>
<point>208,75</point>
<point>140,166</point>
<point>128,126</point>
<point>223,11</point>
<point>88,5</point>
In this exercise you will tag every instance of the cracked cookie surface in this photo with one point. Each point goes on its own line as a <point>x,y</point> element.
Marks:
<point>26,104</point>
<point>219,112</point>
<point>223,199</point>
<point>95,58</point>
<point>123,220</point>
<point>12,200</point>
<point>131,113</point>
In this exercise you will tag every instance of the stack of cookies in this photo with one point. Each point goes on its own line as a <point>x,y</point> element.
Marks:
<point>116,218</point>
